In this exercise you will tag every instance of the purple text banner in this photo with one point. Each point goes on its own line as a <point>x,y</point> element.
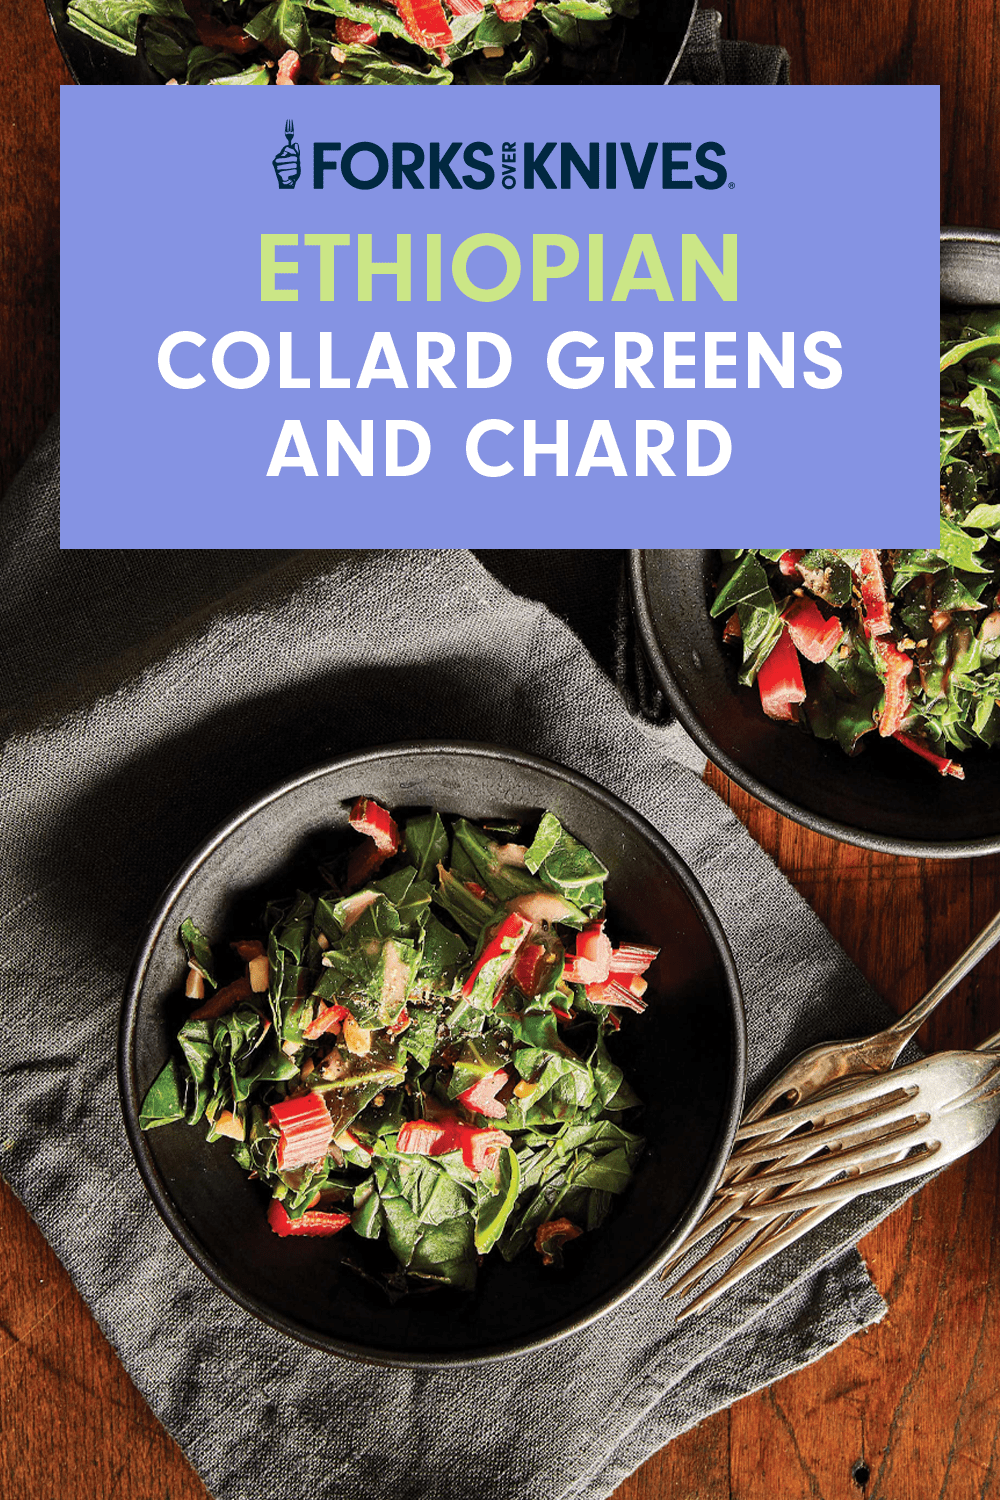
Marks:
<point>475,317</point>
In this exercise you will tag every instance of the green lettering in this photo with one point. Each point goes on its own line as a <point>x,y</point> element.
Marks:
<point>541,271</point>
<point>368,269</point>
<point>327,245</point>
<point>694,254</point>
<point>643,247</point>
<point>460,267</point>
<point>270,268</point>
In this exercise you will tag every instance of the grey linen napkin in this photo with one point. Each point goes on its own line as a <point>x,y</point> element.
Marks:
<point>708,59</point>
<point>151,695</point>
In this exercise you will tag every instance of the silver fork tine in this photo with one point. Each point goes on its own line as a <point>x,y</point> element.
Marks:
<point>866,1150</point>
<point>786,1213</point>
<point>768,1242</point>
<point>763,1211</point>
<point>889,1108</point>
<point>842,1159</point>
<point>735,1237</point>
<point>913,1166</point>
<point>723,1211</point>
<point>763,1246</point>
<point>771,1239</point>
<point>858,1092</point>
<point>774,1148</point>
<point>719,1212</point>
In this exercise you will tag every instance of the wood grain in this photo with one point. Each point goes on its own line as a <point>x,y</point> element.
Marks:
<point>72,1424</point>
<point>915,1399</point>
<point>29,234</point>
<point>955,45</point>
<point>910,1409</point>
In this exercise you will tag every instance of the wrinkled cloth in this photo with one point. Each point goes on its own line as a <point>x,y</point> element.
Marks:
<point>152,695</point>
<point>708,59</point>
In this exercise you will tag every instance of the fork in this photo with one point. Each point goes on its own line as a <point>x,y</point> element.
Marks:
<point>823,1064</point>
<point>819,1066</point>
<point>785,1145</point>
<point>915,1120</point>
<point>793,1148</point>
<point>954,1106</point>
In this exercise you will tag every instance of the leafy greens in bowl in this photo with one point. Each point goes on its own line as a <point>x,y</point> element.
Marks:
<point>684,1057</point>
<point>889,797</point>
<point>346,42</point>
<point>418,1050</point>
<point>903,642</point>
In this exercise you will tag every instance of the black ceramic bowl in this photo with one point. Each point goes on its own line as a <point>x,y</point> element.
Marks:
<point>649,58</point>
<point>685,1056</point>
<point>970,267</point>
<point>885,798</point>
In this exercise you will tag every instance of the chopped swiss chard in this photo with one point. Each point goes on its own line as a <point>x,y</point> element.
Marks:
<point>564,865</point>
<point>368,1085</point>
<point>779,680</point>
<point>914,656</point>
<point>198,950</point>
<point>495,960</point>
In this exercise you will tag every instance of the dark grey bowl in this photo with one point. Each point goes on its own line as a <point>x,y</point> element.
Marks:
<point>970,267</point>
<point>885,798</point>
<point>649,59</point>
<point>685,1056</point>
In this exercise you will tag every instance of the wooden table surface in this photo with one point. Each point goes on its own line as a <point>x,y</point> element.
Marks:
<point>909,1410</point>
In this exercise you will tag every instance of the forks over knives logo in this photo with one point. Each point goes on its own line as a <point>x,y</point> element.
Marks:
<point>288,163</point>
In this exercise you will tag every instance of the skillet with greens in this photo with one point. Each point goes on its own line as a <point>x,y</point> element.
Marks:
<point>346,42</point>
<point>419,1048</point>
<point>902,644</point>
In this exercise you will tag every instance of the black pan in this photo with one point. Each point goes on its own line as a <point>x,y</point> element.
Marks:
<point>664,32</point>
<point>685,1057</point>
<point>88,60</point>
<point>885,798</point>
<point>970,267</point>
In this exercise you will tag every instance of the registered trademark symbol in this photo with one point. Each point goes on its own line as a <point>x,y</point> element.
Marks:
<point>732,184</point>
